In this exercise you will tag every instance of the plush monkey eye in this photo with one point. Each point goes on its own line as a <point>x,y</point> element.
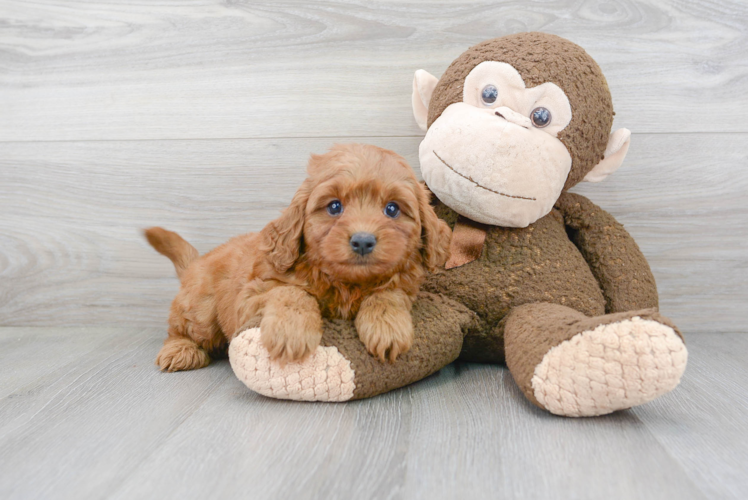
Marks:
<point>335,208</point>
<point>540,117</point>
<point>489,94</point>
<point>392,210</point>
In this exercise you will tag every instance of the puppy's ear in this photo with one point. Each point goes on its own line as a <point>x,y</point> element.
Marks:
<point>281,239</point>
<point>316,164</point>
<point>435,233</point>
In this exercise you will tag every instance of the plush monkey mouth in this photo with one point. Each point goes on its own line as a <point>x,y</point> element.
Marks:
<point>482,187</point>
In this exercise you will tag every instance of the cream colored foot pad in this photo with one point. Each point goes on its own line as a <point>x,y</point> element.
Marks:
<point>612,367</point>
<point>324,376</point>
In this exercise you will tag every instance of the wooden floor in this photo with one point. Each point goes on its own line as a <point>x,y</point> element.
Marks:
<point>85,414</point>
<point>200,115</point>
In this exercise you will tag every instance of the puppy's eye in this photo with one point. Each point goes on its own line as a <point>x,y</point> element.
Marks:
<point>489,94</point>
<point>392,210</point>
<point>540,117</point>
<point>335,208</point>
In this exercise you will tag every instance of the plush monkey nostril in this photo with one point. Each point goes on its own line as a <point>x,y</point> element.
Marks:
<point>363,243</point>
<point>500,115</point>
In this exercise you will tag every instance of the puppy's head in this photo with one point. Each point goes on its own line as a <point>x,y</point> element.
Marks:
<point>361,214</point>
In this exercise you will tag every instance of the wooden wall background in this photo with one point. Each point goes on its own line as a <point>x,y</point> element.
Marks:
<point>199,115</point>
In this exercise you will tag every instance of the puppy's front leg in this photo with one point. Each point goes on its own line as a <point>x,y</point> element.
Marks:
<point>291,326</point>
<point>385,325</point>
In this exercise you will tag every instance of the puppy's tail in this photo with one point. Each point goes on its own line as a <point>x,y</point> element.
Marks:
<point>168,243</point>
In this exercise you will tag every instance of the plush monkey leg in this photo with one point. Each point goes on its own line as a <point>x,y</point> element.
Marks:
<point>342,370</point>
<point>577,366</point>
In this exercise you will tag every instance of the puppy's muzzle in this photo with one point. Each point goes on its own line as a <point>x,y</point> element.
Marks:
<point>363,243</point>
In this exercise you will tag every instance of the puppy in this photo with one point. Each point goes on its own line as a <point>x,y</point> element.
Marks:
<point>355,242</point>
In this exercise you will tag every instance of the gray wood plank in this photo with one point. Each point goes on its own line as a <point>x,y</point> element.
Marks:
<point>703,424</point>
<point>473,435</point>
<point>71,252</point>
<point>48,372</point>
<point>57,346</point>
<point>248,446</point>
<point>79,430</point>
<point>109,425</point>
<point>464,433</point>
<point>165,69</point>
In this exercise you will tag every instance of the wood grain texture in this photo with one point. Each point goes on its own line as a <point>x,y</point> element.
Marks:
<point>78,431</point>
<point>107,424</point>
<point>475,433</point>
<point>71,252</point>
<point>58,347</point>
<point>207,69</point>
<point>703,423</point>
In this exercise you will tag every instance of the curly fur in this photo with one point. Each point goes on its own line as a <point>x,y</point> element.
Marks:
<point>301,267</point>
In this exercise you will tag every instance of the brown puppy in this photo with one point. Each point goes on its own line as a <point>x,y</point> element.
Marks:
<point>356,241</point>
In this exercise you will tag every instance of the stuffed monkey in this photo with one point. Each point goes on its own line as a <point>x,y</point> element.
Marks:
<point>539,278</point>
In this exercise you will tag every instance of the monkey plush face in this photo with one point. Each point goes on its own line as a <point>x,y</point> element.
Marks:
<point>498,149</point>
<point>512,123</point>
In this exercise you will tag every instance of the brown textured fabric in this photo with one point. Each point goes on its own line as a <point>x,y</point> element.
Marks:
<point>612,254</point>
<point>600,269</point>
<point>438,327</point>
<point>467,242</point>
<point>518,266</point>
<point>540,58</point>
<point>532,330</point>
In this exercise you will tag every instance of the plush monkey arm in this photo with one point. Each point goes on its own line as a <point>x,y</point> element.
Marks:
<point>612,254</point>
<point>341,369</point>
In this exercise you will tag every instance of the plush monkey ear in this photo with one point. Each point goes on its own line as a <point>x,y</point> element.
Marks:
<point>618,146</point>
<point>423,86</point>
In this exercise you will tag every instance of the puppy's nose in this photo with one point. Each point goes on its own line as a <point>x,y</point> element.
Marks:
<point>363,243</point>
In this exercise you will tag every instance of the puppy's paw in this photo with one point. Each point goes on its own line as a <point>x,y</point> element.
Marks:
<point>181,354</point>
<point>386,336</point>
<point>290,337</point>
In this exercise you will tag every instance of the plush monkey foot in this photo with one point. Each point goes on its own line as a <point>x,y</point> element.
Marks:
<point>605,364</point>
<point>341,369</point>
